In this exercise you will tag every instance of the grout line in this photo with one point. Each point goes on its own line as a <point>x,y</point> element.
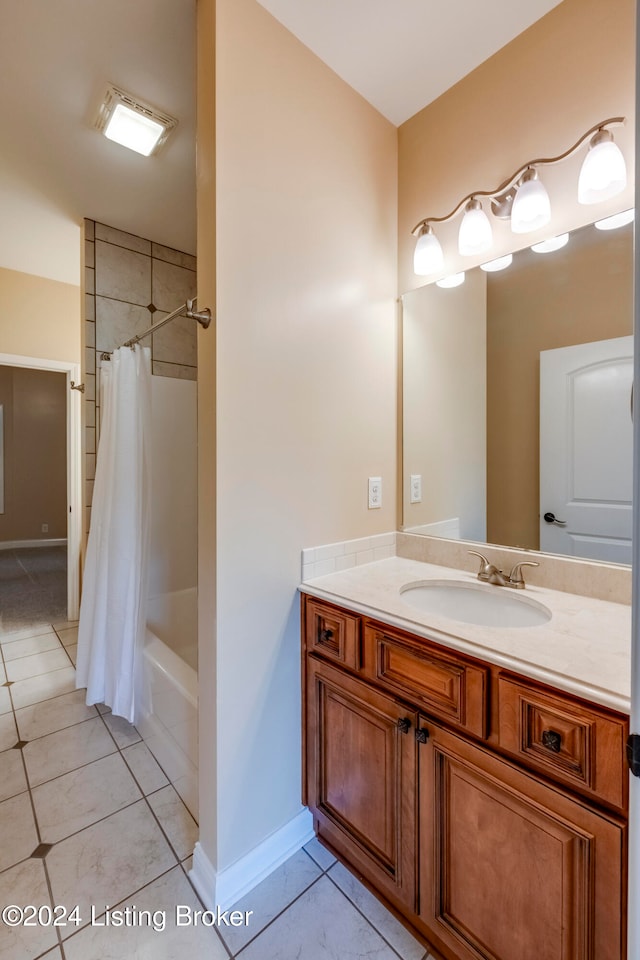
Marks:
<point>278,915</point>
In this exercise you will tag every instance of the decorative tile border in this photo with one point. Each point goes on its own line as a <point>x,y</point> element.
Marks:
<point>333,557</point>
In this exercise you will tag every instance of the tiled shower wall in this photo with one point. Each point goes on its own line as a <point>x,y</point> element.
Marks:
<point>131,283</point>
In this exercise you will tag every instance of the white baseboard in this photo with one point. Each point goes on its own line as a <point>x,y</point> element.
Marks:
<point>226,887</point>
<point>16,544</point>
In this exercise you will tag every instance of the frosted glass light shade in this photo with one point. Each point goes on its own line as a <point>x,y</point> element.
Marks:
<point>617,220</point>
<point>427,256</point>
<point>475,234</point>
<point>452,281</point>
<point>553,243</point>
<point>501,263</point>
<point>604,172</point>
<point>531,206</point>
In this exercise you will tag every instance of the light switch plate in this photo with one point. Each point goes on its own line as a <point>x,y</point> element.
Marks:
<point>375,493</point>
<point>416,488</point>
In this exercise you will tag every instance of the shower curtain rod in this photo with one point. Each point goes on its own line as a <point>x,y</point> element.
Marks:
<point>187,310</point>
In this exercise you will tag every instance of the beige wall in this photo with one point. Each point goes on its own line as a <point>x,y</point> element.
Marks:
<point>581,293</point>
<point>535,97</point>
<point>306,267</point>
<point>444,402</point>
<point>39,317</point>
<point>35,454</point>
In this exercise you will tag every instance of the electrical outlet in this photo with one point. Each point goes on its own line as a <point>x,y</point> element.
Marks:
<point>416,488</point>
<point>375,493</point>
<point>45,528</point>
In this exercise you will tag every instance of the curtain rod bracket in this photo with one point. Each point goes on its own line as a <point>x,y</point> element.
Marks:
<point>203,316</point>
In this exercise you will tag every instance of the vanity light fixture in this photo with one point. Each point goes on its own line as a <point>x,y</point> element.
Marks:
<point>553,243</point>
<point>454,280</point>
<point>617,220</point>
<point>475,234</point>
<point>133,123</point>
<point>524,200</point>
<point>501,263</point>
<point>428,256</point>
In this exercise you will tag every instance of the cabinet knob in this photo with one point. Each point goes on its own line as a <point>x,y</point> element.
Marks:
<point>325,635</point>
<point>552,740</point>
<point>422,734</point>
<point>404,724</point>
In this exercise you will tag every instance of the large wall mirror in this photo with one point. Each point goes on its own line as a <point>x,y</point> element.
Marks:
<point>517,401</point>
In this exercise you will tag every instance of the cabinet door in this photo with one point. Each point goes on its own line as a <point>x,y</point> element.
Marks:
<point>361,778</point>
<point>510,867</point>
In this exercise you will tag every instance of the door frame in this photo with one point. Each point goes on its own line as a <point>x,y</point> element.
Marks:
<point>74,466</point>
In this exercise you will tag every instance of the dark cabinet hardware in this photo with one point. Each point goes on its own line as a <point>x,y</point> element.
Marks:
<point>552,740</point>
<point>404,724</point>
<point>422,734</point>
<point>633,753</point>
<point>325,635</point>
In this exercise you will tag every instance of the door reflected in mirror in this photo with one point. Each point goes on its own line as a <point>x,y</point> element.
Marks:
<point>490,447</point>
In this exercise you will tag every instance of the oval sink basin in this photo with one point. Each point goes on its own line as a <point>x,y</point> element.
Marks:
<point>486,606</point>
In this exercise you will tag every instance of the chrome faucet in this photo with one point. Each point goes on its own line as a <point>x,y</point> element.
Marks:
<point>489,573</point>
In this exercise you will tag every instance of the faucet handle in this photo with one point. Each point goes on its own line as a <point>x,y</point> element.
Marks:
<point>485,564</point>
<point>515,577</point>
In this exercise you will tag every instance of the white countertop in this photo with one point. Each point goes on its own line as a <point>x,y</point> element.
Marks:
<point>584,649</point>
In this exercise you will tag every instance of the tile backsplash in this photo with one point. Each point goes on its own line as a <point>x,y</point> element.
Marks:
<point>332,557</point>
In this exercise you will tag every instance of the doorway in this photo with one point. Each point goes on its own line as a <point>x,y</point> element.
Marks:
<point>40,558</point>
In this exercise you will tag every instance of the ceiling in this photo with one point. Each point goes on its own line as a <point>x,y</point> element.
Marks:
<point>58,55</point>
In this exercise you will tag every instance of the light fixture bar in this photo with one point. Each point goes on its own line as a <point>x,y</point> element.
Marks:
<point>511,181</point>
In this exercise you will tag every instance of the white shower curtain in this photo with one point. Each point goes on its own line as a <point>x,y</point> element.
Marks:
<point>112,611</point>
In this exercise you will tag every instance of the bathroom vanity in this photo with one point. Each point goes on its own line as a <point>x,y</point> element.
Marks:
<point>473,776</point>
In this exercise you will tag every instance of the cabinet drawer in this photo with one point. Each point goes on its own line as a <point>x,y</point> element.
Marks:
<point>332,632</point>
<point>579,745</point>
<point>444,685</point>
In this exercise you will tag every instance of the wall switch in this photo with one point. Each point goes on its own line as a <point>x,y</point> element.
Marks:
<point>375,493</point>
<point>45,528</point>
<point>416,488</point>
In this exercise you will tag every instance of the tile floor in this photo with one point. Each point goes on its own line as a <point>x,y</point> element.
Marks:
<point>88,817</point>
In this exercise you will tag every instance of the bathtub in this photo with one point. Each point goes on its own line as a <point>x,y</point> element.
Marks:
<point>168,716</point>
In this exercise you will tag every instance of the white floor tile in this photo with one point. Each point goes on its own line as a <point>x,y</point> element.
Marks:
<point>72,652</point>
<point>144,767</point>
<point>67,749</point>
<point>37,664</point>
<point>31,630</point>
<point>109,861</point>
<point>175,820</point>
<point>12,778</point>
<point>18,837</point>
<point>36,689</point>
<point>384,921</point>
<point>320,854</point>
<point>321,925</point>
<point>25,884</point>
<point>82,797</point>
<point>5,700</point>
<point>68,634</point>
<point>51,715</point>
<point>142,942</point>
<point>29,646</point>
<point>270,897</point>
<point>8,732</point>
<point>124,733</point>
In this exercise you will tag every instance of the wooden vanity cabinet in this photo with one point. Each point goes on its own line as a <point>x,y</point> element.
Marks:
<point>436,777</point>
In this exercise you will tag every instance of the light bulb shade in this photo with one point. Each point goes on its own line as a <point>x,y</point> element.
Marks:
<point>475,234</point>
<point>617,220</point>
<point>604,172</point>
<point>501,263</point>
<point>427,257</point>
<point>455,280</point>
<point>553,243</point>
<point>531,206</point>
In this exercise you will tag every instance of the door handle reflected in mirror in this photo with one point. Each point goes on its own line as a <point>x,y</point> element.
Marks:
<point>551,518</point>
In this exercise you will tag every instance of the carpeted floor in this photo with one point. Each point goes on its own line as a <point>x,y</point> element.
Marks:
<point>33,586</point>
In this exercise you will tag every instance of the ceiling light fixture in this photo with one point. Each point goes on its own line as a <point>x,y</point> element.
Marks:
<point>553,243</point>
<point>524,199</point>
<point>132,123</point>
<point>617,220</point>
